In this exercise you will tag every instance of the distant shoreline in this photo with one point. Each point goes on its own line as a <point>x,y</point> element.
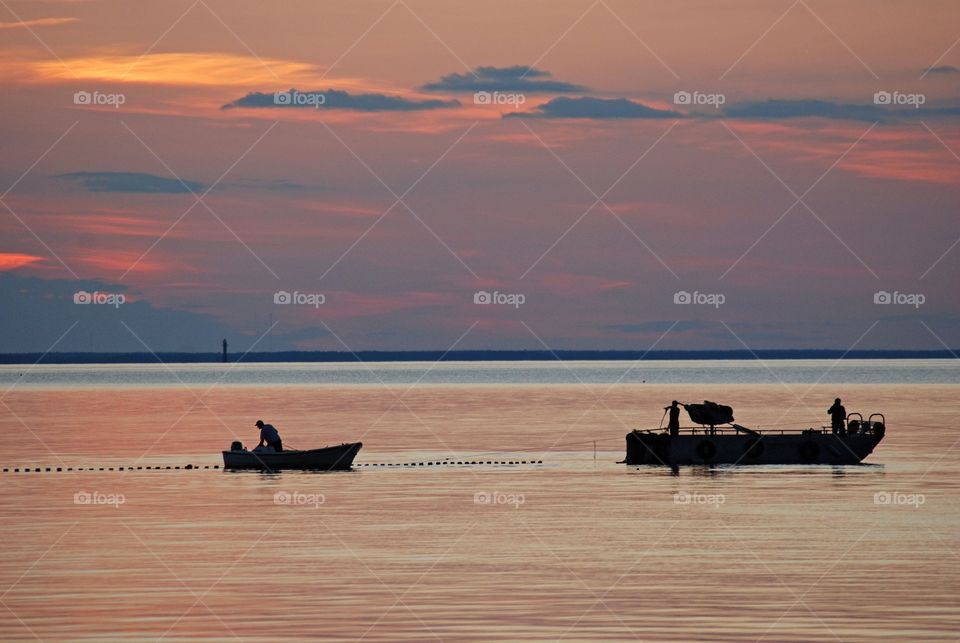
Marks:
<point>465,356</point>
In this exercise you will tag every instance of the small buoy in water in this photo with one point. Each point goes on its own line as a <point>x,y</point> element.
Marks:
<point>189,466</point>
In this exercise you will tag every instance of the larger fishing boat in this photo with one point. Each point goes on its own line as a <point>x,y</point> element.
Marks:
<point>719,440</point>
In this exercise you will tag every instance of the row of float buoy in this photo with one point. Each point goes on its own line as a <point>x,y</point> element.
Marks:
<point>217,466</point>
<point>131,468</point>
<point>445,463</point>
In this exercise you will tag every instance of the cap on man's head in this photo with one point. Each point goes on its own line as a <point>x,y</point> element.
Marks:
<point>259,423</point>
<point>674,403</point>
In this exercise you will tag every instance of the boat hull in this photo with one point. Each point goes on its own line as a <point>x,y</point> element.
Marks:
<point>740,449</point>
<point>325,459</point>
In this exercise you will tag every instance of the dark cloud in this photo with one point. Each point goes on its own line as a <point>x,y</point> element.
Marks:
<point>596,108</point>
<point>130,182</point>
<point>45,309</point>
<point>337,99</point>
<point>271,185</point>
<point>943,69</point>
<point>662,326</point>
<point>775,109</point>
<point>782,109</point>
<point>504,79</point>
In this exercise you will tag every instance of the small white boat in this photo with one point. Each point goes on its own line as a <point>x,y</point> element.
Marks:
<point>326,459</point>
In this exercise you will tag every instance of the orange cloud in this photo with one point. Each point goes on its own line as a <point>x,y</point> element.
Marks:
<point>119,262</point>
<point>113,225</point>
<point>895,152</point>
<point>186,68</point>
<point>39,22</point>
<point>14,260</point>
<point>569,284</point>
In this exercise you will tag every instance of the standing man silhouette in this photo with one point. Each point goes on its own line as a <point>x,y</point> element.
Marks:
<point>838,417</point>
<point>674,424</point>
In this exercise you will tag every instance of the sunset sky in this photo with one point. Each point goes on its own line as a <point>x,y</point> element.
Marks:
<point>145,154</point>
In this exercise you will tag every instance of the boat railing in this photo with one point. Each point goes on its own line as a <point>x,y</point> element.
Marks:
<point>864,428</point>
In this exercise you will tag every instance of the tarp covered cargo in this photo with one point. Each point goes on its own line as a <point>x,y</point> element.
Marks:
<point>709,413</point>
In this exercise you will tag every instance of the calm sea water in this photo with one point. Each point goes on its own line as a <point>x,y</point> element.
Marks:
<point>578,548</point>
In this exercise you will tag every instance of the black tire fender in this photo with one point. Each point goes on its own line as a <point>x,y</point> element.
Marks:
<point>706,450</point>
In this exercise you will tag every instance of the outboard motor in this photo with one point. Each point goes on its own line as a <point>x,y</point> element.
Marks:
<point>236,445</point>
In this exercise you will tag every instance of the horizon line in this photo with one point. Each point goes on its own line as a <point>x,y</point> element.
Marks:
<point>467,355</point>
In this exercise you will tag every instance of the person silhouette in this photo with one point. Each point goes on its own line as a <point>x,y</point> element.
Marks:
<point>269,436</point>
<point>838,417</point>
<point>674,424</point>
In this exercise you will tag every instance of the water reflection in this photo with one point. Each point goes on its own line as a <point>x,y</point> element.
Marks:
<point>596,550</point>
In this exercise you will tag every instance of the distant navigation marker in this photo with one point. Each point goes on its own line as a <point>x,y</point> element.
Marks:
<point>224,351</point>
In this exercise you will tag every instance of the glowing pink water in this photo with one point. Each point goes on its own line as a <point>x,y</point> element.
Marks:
<point>573,549</point>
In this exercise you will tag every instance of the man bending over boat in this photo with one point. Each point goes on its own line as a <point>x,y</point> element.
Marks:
<point>269,436</point>
<point>838,417</point>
